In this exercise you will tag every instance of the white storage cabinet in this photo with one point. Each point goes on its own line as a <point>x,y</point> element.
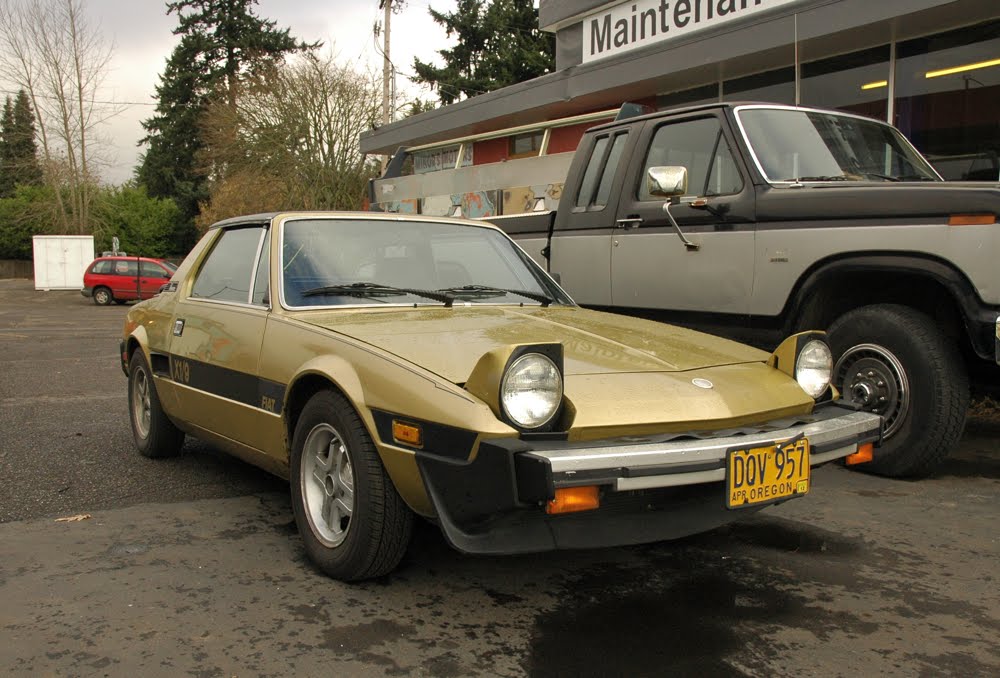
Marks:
<point>60,260</point>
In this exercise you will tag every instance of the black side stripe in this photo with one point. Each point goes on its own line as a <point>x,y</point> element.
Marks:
<point>221,381</point>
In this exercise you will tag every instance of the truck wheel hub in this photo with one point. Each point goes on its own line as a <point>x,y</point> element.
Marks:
<point>872,377</point>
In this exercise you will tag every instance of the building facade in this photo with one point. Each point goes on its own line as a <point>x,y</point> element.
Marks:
<point>931,67</point>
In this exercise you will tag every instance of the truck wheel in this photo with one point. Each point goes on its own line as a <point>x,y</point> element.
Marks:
<point>155,435</point>
<point>353,523</point>
<point>893,360</point>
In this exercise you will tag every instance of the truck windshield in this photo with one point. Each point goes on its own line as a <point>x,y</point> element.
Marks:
<point>800,146</point>
<point>358,261</point>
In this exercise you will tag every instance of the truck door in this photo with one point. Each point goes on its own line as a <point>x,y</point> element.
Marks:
<point>581,245</point>
<point>651,267</point>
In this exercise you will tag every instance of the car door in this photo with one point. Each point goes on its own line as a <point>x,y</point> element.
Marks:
<point>152,277</point>
<point>580,252</point>
<point>651,266</point>
<point>125,281</point>
<point>217,329</point>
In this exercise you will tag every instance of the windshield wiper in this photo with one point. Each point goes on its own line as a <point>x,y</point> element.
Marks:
<point>884,177</point>
<point>369,289</point>
<point>916,177</point>
<point>838,177</point>
<point>487,291</point>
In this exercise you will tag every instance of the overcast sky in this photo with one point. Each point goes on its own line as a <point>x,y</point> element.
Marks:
<point>141,33</point>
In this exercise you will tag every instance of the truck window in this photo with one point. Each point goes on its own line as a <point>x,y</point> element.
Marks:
<point>600,171</point>
<point>608,175</point>
<point>700,146</point>
<point>592,172</point>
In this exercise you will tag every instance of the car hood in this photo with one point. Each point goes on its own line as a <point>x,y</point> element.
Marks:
<point>450,341</point>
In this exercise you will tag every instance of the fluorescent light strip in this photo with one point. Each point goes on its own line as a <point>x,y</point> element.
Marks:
<point>876,85</point>
<point>962,69</point>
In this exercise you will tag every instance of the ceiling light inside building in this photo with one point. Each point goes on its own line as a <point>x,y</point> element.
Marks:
<point>962,69</point>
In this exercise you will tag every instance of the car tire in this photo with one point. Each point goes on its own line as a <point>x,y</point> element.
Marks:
<point>894,360</point>
<point>353,523</point>
<point>103,296</point>
<point>154,434</point>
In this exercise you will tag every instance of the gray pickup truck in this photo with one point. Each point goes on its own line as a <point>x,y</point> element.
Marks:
<point>792,218</point>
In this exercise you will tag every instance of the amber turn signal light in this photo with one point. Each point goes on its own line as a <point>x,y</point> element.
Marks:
<point>971,219</point>
<point>408,434</point>
<point>573,499</point>
<point>862,456</point>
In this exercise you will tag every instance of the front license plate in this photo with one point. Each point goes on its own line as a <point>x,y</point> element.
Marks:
<point>766,474</point>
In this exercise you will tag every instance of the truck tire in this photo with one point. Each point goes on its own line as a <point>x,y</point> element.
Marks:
<point>894,360</point>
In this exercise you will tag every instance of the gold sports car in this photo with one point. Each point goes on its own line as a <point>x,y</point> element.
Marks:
<point>393,367</point>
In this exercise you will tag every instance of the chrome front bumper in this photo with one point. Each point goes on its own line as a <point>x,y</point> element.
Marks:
<point>669,463</point>
<point>492,502</point>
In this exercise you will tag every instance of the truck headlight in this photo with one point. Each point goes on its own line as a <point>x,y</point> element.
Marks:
<point>814,368</point>
<point>531,390</point>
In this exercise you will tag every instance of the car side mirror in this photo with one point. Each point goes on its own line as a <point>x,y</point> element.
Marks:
<point>667,182</point>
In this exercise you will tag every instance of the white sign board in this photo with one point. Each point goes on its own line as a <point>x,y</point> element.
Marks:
<point>638,23</point>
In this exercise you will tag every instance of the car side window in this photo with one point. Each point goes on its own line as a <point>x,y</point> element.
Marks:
<point>701,147</point>
<point>152,270</point>
<point>102,267</point>
<point>261,277</point>
<point>226,273</point>
<point>127,267</point>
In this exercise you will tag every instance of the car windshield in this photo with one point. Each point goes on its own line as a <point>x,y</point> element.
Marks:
<point>329,262</point>
<point>801,146</point>
<point>169,265</point>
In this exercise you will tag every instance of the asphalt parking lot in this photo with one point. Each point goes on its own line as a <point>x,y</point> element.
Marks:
<point>191,566</point>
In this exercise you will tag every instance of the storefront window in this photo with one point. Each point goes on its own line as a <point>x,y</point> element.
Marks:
<point>705,94</point>
<point>438,159</point>
<point>777,87</point>
<point>525,145</point>
<point>856,82</point>
<point>947,89</point>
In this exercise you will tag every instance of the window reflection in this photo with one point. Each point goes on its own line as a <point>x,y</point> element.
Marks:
<point>705,94</point>
<point>856,82</point>
<point>777,86</point>
<point>952,116</point>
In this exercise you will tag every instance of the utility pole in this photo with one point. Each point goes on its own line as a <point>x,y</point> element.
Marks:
<point>386,63</point>
<point>386,70</point>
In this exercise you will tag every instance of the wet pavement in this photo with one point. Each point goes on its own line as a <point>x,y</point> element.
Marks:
<point>192,566</point>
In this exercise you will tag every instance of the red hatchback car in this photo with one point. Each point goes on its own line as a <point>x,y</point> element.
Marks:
<point>120,279</point>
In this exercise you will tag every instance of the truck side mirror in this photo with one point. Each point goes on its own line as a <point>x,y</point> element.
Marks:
<point>667,182</point>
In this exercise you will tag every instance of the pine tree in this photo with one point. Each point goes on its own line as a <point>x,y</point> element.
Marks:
<point>18,150</point>
<point>6,131</point>
<point>222,41</point>
<point>499,44</point>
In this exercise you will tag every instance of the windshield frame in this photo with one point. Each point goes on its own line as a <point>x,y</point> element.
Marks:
<point>558,294</point>
<point>805,109</point>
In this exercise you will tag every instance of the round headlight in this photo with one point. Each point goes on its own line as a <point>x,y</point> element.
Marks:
<point>531,390</point>
<point>814,367</point>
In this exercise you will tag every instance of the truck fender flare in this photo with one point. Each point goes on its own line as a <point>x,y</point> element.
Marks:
<point>918,264</point>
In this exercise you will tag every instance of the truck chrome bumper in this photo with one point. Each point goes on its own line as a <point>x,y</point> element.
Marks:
<point>671,463</point>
